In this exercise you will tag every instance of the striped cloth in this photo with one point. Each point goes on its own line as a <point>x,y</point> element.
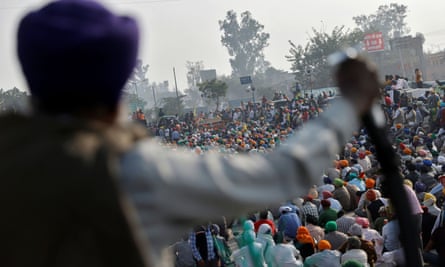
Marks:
<point>310,209</point>
<point>344,222</point>
<point>210,246</point>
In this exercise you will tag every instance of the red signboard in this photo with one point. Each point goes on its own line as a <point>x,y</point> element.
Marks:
<point>374,42</point>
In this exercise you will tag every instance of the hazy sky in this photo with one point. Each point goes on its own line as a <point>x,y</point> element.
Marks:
<point>176,31</point>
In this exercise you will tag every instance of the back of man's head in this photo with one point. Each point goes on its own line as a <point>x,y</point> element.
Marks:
<point>264,214</point>
<point>354,242</point>
<point>76,55</point>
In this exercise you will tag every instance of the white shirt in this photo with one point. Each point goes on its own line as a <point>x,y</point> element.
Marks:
<point>374,236</point>
<point>365,163</point>
<point>285,255</point>
<point>402,84</point>
<point>236,115</point>
<point>355,254</point>
<point>390,234</point>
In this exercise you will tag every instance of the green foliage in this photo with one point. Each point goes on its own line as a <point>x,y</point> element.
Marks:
<point>173,105</point>
<point>135,102</point>
<point>13,100</point>
<point>245,42</point>
<point>309,62</point>
<point>140,72</point>
<point>138,84</point>
<point>193,72</point>
<point>271,81</point>
<point>213,90</point>
<point>193,97</point>
<point>388,19</point>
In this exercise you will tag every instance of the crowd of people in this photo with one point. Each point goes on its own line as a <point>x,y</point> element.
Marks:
<point>347,215</point>
<point>242,129</point>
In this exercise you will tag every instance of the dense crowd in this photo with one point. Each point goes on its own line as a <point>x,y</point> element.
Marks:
<point>247,128</point>
<point>345,217</point>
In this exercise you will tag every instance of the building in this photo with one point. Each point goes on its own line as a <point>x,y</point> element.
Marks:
<point>405,54</point>
<point>435,66</point>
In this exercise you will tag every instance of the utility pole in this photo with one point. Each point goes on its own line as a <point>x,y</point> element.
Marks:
<point>176,87</point>
<point>253,100</point>
<point>154,95</point>
<point>137,95</point>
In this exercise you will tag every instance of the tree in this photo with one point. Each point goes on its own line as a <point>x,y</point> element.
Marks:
<point>245,42</point>
<point>388,19</point>
<point>213,90</point>
<point>13,100</point>
<point>193,98</point>
<point>193,79</point>
<point>309,62</point>
<point>193,73</point>
<point>138,84</point>
<point>170,105</point>
<point>135,102</point>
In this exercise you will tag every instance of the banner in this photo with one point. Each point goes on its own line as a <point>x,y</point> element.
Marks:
<point>374,42</point>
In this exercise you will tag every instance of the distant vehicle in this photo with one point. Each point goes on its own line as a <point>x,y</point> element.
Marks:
<point>280,103</point>
<point>416,92</point>
<point>426,84</point>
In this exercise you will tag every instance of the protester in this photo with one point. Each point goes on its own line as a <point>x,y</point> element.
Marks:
<point>286,255</point>
<point>315,231</point>
<point>203,248</point>
<point>309,209</point>
<point>324,257</point>
<point>367,246</point>
<point>341,194</point>
<point>327,214</point>
<point>249,255</point>
<point>335,238</point>
<point>353,252</point>
<point>374,205</point>
<point>288,222</point>
<point>264,237</point>
<point>222,248</point>
<point>304,242</point>
<point>264,219</point>
<point>428,221</point>
<point>371,235</point>
<point>436,242</point>
<point>344,222</point>
<point>335,204</point>
<point>390,234</point>
<point>183,253</point>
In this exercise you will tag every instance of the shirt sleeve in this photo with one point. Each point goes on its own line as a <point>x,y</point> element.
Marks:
<point>171,191</point>
<point>195,251</point>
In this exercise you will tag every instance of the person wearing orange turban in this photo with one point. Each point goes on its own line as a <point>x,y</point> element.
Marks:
<point>370,183</point>
<point>325,256</point>
<point>324,244</point>
<point>305,243</point>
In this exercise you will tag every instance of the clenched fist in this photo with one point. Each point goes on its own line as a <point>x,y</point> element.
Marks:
<point>358,82</point>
